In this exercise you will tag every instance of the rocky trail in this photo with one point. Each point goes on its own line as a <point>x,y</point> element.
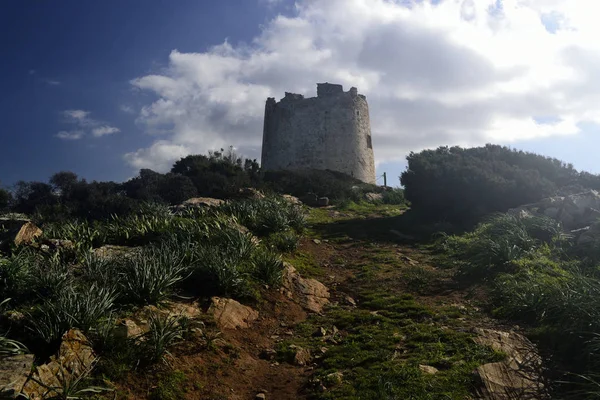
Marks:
<point>386,324</point>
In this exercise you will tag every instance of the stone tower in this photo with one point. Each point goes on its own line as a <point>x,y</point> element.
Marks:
<point>331,131</point>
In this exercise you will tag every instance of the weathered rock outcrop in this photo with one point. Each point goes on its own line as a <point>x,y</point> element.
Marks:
<point>201,202</point>
<point>573,212</point>
<point>14,372</point>
<point>75,359</point>
<point>229,314</point>
<point>18,231</point>
<point>309,293</point>
<point>516,377</point>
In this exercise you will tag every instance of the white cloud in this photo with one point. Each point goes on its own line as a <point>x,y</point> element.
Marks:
<point>461,72</point>
<point>70,135</point>
<point>53,82</point>
<point>127,109</point>
<point>84,125</point>
<point>104,130</point>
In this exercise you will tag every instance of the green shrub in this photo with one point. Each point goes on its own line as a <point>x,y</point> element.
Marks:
<point>150,275</point>
<point>284,242</point>
<point>268,267</point>
<point>164,332</point>
<point>494,245</point>
<point>218,272</point>
<point>462,185</point>
<point>394,196</point>
<point>82,309</point>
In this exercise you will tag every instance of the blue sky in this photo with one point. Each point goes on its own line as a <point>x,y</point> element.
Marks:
<point>103,88</point>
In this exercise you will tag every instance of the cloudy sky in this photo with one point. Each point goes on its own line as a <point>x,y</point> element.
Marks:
<point>106,88</point>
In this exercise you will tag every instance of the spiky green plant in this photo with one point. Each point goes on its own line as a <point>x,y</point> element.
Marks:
<point>164,332</point>
<point>81,309</point>
<point>150,276</point>
<point>268,267</point>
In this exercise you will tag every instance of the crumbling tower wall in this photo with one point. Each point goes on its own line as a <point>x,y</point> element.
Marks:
<point>331,131</point>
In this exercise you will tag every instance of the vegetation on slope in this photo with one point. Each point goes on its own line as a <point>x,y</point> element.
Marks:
<point>462,185</point>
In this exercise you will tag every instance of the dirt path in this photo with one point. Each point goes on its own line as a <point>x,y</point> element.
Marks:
<point>386,298</point>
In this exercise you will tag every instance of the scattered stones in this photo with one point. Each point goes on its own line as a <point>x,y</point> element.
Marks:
<point>229,314</point>
<point>316,241</point>
<point>309,293</point>
<point>268,354</point>
<point>302,356</point>
<point>321,332</point>
<point>14,372</point>
<point>428,369</point>
<point>335,378</point>
<point>515,377</point>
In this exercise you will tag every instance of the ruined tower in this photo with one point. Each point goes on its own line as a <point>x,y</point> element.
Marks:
<point>331,131</point>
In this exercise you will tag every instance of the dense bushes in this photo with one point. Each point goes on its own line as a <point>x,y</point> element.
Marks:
<point>219,175</point>
<point>536,276</point>
<point>462,185</point>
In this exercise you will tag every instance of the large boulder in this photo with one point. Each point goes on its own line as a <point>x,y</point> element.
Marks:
<point>75,359</point>
<point>573,211</point>
<point>18,231</point>
<point>309,293</point>
<point>518,375</point>
<point>201,202</point>
<point>229,314</point>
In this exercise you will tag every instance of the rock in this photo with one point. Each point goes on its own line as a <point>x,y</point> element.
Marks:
<point>201,202</point>
<point>335,378</point>
<point>350,301</point>
<point>268,354</point>
<point>114,252</point>
<point>292,199</point>
<point>59,243</point>
<point>260,396</point>
<point>428,369</point>
<point>75,359</point>
<point>322,201</point>
<point>27,234</point>
<point>374,197</point>
<point>129,329</point>
<point>309,293</point>
<point>302,357</point>
<point>573,211</point>
<point>14,372</point>
<point>250,193</point>
<point>310,199</point>
<point>515,377</point>
<point>316,241</point>
<point>229,314</point>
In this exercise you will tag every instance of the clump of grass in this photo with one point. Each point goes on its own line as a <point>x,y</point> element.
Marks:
<point>169,386</point>
<point>218,272</point>
<point>82,309</point>
<point>266,216</point>
<point>150,276</point>
<point>268,267</point>
<point>165,331</point>
<point>285,242</point>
